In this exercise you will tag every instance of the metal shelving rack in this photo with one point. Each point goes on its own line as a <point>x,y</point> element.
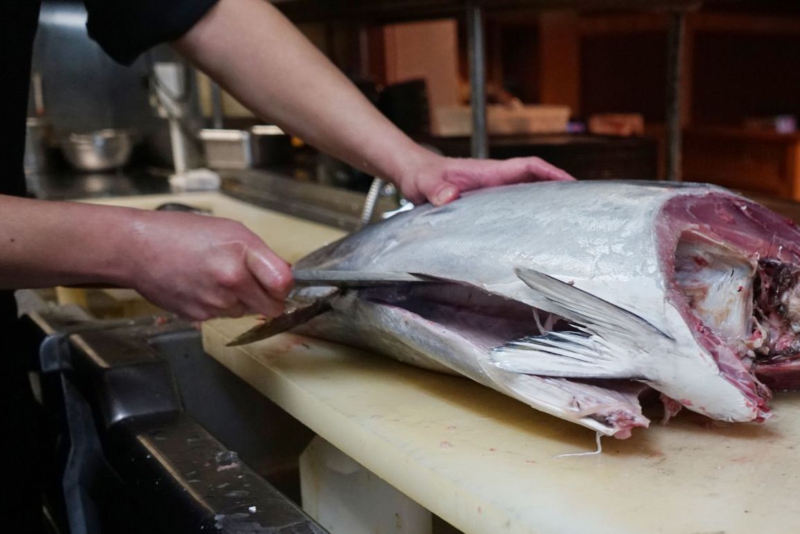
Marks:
<point>386,11</point>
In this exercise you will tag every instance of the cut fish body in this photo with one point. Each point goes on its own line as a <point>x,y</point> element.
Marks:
<point>573,297</point>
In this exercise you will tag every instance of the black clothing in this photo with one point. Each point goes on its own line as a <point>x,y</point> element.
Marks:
<point>125,29</point>
<point>17,28</point>
<point>20,502</point>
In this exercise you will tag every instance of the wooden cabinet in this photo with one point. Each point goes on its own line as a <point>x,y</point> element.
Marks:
<point>761,162</point>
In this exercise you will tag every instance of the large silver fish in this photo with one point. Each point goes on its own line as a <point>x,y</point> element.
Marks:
<point>574,297</point>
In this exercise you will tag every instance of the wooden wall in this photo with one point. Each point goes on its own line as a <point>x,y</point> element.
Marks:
<point>737,75</point>
<point>736,66</point>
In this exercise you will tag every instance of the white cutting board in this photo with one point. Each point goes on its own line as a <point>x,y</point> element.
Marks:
<point>485,462</point>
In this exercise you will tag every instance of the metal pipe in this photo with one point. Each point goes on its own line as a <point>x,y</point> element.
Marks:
<point>178,142</point>
<point>371,202</point>
<point>477,78</point>
<point>675,38</point>
<point>217,111</point>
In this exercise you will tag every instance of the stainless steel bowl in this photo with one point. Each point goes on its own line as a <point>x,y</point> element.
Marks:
<point>98,151</point>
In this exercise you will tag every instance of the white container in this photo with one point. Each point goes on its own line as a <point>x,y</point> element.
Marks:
<point>346,498</point>
<point>227,149</point>
<point>456,121</point>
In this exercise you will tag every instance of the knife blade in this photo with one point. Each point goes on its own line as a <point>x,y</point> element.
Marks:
<point>298,311</point>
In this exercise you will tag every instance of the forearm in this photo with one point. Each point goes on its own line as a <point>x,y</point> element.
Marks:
<point>43,244</point>
<point>194,265</point>
<point>266,63</point>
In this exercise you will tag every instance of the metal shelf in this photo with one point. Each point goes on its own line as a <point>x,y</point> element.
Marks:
<point>474,11</point>
<point>403,10</point>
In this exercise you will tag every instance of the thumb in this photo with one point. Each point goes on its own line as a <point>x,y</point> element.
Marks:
<point>271,271</point>
<point>442,193</point>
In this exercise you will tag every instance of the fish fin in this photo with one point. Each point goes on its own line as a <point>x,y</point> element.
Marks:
<point>567,355</point>
<point>609,341</point>
<point>298,311</point>
<point>594,314</point>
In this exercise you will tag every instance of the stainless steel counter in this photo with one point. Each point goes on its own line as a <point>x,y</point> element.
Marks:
<point>326,204</point>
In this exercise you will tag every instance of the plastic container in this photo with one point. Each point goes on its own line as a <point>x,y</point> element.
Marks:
<point>456,121</point>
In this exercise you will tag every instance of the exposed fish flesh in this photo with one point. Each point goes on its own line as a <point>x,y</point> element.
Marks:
<point>574,297</point>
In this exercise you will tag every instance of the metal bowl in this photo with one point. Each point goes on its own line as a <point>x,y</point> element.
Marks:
<point>98,151</point>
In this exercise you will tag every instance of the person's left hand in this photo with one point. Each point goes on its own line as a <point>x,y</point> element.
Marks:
<point>440,180</point>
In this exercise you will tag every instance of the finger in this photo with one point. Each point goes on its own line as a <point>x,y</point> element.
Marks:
<point>544,171</point>
<point>256,299</point>
<point>270,271</point>
<point>413,194</point>
<point>259,301</point>
<point>442,193</point>
<point>235,311</point>
<point>194,314</point>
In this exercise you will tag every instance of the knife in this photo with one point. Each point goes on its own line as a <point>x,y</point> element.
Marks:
<point>300,310</point>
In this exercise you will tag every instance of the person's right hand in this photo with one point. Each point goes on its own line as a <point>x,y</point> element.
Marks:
<point>203,267</point>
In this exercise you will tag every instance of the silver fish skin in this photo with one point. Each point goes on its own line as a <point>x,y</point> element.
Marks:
<point>573,297</point>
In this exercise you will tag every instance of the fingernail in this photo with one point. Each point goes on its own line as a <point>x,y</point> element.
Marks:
<point>445,195</point>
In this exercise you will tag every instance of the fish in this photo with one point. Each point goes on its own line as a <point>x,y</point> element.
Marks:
<point>578,297</point>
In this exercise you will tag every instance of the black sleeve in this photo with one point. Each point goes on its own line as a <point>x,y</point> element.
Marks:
<point>127,28</point>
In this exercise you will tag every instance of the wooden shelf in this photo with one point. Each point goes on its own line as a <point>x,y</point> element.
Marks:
<point>766,163</point>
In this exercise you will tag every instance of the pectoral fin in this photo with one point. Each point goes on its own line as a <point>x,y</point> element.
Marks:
<point>567,355</point>
<point>608,341</point>
<point>578,306</point>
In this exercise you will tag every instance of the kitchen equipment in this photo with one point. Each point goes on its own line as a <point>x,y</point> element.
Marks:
<point>504,120</point>
<point>37,144</point>
<point>98,151</point>
<point>270,146</point>
<point>38,132</point>
<point>621,124</point>
<point>227,149</point>
<point>170,89</point>
<point>300,310</point>
<point>143,424</point>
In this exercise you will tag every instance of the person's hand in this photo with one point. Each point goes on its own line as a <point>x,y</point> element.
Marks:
<point>203,267</point>
<point>440,180</point>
